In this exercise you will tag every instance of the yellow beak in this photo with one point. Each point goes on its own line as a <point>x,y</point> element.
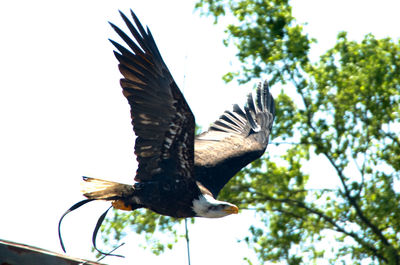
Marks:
<point>232,209</point>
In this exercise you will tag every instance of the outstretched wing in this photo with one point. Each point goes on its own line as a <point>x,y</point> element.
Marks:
<point>161,118</point>
<point>237,138</point>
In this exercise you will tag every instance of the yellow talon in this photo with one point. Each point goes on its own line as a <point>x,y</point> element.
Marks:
<point>121,205</point>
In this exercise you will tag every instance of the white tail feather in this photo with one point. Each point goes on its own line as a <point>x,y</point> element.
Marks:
<point>100,189</point>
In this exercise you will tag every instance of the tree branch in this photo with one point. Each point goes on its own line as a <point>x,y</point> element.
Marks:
<point>331,221</point>
<point>347,194</point>
<point>355,205</point>
<point>342,178</point>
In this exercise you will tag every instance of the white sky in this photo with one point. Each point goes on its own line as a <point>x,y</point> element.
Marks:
<point>62,113</point>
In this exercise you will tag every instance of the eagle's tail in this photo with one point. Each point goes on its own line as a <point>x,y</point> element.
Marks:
<point>98,189</point>
<point>122,197</point>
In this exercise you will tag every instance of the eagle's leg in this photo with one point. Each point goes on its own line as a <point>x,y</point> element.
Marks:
<point>121,205</point>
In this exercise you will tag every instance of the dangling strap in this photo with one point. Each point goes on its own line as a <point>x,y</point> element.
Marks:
<point>73,207</point>
<point>96,229</point>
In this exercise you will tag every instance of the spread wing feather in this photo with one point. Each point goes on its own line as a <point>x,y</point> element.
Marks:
<point>161,118</point>
<point>237,138</point>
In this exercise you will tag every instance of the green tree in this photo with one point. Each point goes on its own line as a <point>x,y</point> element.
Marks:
<point>343,108</point>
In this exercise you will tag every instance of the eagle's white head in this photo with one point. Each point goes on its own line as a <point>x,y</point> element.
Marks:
<point>207,206</point>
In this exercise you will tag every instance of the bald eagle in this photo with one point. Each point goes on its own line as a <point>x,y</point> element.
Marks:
<point>179,174</point>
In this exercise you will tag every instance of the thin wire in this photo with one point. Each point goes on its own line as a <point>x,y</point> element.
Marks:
<point>183,88</point>
<point>108,254</point>
<point>187,241</point>
<point>279,143</point>
<point>105,255</point>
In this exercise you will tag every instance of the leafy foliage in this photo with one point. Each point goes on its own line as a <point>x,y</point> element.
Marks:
<point>348,113</point>
<point>344,109</point>
<point>143,222</point>
<point>267,40</point>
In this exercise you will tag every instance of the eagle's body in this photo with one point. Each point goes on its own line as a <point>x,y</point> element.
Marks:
<point>178,174</point>
<point>157,196</point>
